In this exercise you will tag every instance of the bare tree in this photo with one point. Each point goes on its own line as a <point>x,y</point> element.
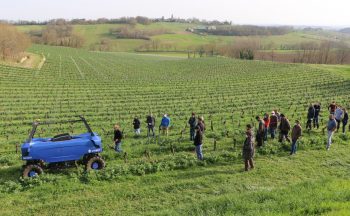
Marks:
<point>12,42</point>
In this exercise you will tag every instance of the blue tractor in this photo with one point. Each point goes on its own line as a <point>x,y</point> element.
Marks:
<point>61,150</point>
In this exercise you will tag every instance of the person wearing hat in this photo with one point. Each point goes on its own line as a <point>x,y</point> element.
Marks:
<point>193,123</point>
<point>248,149</point>
<point>118,136</point>
<point>273,124</point>
<point>284,128</point>
<point>198,142</point>
<point>260,132</point>
<point>296,134</point>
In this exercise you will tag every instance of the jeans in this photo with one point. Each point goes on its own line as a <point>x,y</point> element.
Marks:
<point>294,147</point>
<point>138,131</point>
<point>199,152</point>
<point>344,126</point>
<point>118,147</point>
<point>284,134</point>
<point>192,132</point>
<point>308,124</point>
<point>329,140</point>
<point>338,124</point>
<point>149,131</point>
<point>260,138</point>
<point>316,124</point>
<point>265,134</point>
<point>272,132</point>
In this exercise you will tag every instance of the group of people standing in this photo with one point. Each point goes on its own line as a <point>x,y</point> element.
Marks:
<point>337,115</point>
<point>151,123</point>
<point>150,120</point>
<point>268,124</point>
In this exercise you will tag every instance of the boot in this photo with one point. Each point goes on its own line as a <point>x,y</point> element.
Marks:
<point>246,165</point>
<point>251,163</point>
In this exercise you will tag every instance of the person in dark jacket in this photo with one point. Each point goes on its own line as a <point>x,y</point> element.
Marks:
<point>118,136</point>
<point>198,142</point>
<point>260,132</point>
<point>332,107</point>
<point>278,114</point>
<point>137,126</point>
<point>193,123</point>
<point>317,107</point>
<point>151,121</point>
<point>296,134</point>
<point>273,124</point>
<point>310,117</point>
<point>201,124</point>
<point>248,149</point>
<point>345,120</point>
<point>284,128</point>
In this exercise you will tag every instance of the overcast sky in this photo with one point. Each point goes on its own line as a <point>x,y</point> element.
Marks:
<point>289,12</point>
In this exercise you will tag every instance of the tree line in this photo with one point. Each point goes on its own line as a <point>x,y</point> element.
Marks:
<point>130,32</point>
<point>248,30</point>
<point>324,52</point>
<point>58,33</point>
<point>13,43</point>
<point>123,20</point>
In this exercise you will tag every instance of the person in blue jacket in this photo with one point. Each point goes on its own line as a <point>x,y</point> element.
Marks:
<point>164,125</point>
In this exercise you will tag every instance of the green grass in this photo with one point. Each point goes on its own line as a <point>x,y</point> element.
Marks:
<point>182,40</point>
<point>115,87</point>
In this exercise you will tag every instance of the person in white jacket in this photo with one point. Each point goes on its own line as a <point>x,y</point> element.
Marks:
<point>338,116</point>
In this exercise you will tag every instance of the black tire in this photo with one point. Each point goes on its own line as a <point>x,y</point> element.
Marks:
<point>32,170</point>
<point>95,163</point>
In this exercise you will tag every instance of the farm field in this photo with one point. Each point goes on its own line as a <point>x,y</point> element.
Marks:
<point>182,40</point>
<point>161,176</point>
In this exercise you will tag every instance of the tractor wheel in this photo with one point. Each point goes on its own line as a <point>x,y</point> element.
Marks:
<point>32,170</point>
<point>95,163</point>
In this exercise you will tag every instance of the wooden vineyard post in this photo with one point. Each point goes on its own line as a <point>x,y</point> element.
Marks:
<point>147,154</point>
<point>211,125</point>
<point>234,143</point>
<point>172,148</point>
<point>125,157</point>
<point>214,144</point>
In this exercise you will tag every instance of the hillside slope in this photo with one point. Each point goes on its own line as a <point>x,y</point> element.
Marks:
<point>115,87</point>
<point>178,39</point>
